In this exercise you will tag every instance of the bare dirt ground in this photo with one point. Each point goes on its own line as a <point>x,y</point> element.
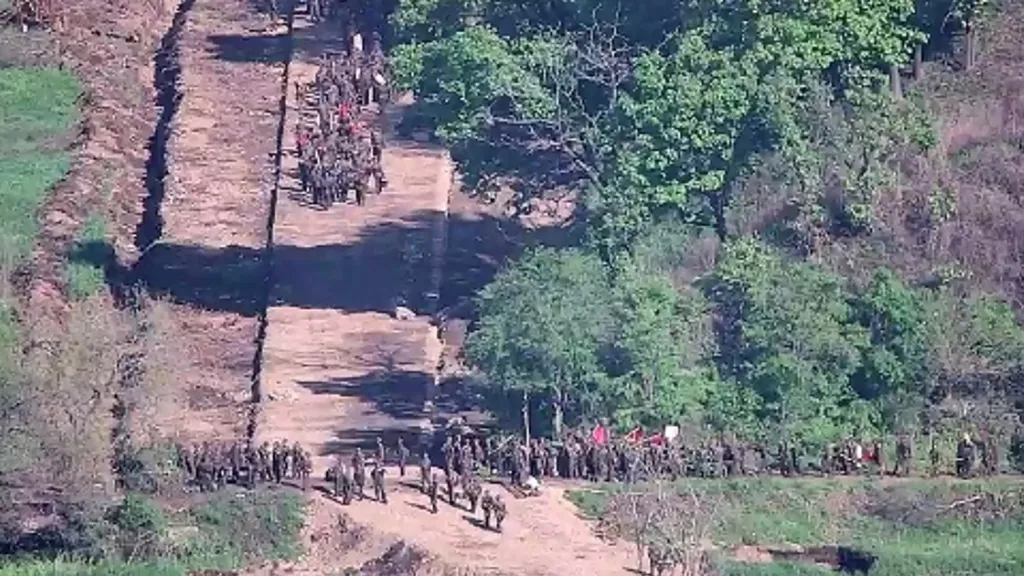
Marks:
<point>339,369</point>
<point>202,232</point>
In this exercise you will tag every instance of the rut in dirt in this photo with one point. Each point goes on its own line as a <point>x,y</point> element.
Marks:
<point>166,76</point>
<point>268,246</point>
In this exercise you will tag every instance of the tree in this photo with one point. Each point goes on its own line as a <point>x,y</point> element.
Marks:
<point>662,343</point>
<point>543,324</point>
<point>786,332</point>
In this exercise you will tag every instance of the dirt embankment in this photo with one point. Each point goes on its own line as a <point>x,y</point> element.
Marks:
<point>109,44</point>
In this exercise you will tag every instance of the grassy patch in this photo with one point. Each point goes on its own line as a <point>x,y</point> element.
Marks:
<point>84,274</point>
<point>228,531</point>
<point>38,107</point>
<point>917,527</point>
<point>235,529</point>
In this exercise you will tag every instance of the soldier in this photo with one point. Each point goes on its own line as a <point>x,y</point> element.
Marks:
<point>377,476</point>
<point>964,456</point>
<point>432,493</point>
<point>277,462</point>
<point>934,457</point>
<point>449,480</point>
<point>298,456</point>
<point>826,459</point>
<point>185,460</point>
<point>380,451</point>
<point>904,456</point>
<point>499,511</point>
<point>305,464</point>
<point>235,457</point>
<point>487,505</point>
<point>472,490</point>
<point>424,472</point>
<point>993,455</point>
<point>403,456</point>
<point>264,461</point>
<point>335,475</point>
<point>359,473</point>
<point>878,455</point>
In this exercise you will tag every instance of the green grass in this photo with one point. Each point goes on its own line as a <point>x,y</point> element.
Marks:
<point>38,106</point>
<point>235,529</point>
<point>229,531</point>
<point>84,274</point>
<point>909,526</point>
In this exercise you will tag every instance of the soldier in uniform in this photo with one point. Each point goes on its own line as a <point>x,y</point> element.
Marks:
<point>934,457</point>
<point>277,463</point>
<point>403,457</point>
<point>449,480</point>
<point>904,456</point>
<point>487,505</point>
<point>380,451</point>
<point>424,472</point>
<point>358,473</point>
<point>964,456</point>
<point>472,490</point>
<point>498,506</point>
<point>335,475</point>
<point>432,493</point>
<point>377,476</point>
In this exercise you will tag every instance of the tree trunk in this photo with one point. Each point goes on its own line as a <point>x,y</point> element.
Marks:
<point>526,416</point>
<point>895,82</point>
<point>557,418</point>
<point>918,62</point>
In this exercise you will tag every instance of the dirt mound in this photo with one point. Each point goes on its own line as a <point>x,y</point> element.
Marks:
<point>400,559</point>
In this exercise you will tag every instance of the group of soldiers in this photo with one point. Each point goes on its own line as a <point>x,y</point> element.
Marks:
<point>580,457</point>
<point>461,481</point>
<point>338,143</point>
<point>211,466</point>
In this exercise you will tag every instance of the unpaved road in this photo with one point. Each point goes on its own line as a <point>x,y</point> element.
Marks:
<point>339,370</point>
<point>219,145</point>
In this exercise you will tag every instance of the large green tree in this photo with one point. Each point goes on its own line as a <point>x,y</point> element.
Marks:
<point>544,323</point>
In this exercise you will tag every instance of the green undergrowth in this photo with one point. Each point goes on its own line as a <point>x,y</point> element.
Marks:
<point>934,527</point>
<point>228,531</point>
<point>84,274</point>
<point>38,107</point>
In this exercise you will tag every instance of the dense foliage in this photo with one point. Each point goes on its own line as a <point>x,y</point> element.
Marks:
<point>758,133</point>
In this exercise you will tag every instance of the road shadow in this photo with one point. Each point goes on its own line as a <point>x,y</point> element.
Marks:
<point>394,395</point>
<point>387,262</point>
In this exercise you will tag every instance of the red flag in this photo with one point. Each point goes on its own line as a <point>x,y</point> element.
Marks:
<point>635,435</point>
<point>600,435</point>
<point>657,439</point>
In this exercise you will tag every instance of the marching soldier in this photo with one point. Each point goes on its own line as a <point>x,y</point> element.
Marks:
<point>487,505</point>
<point>380,451</point>
<point>449,480</point>
<point>359,473</point>
<point>499,511</point>
<point>964,456</point>
<point>472,490</point>
<point>432,493</point>
<point>377,476</point>
<point>424,472</point>
<point>904,456</point>
<point>403,457</point>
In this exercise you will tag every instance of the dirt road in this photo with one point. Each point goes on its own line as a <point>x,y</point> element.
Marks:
<point>202,233</point>
<point>338,369</point>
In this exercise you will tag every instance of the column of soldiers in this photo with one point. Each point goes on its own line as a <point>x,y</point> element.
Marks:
<point>579,457</point>
<point>338,144</point>
<point>212,466</point>
<point>463,459</point>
